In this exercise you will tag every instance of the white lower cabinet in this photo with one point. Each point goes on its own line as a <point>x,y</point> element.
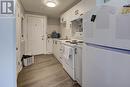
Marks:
<point>73,66</point>
<point>49,46</point>
<point>57,49</point>
<point>78,65</point>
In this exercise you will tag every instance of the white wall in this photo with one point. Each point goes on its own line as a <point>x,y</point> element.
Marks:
<point>53,24</point>
<point>7,51</point>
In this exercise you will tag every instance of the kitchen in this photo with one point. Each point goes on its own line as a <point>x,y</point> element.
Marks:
<point>70,43</point>
<point>61,39</point>
<point>65,39</point>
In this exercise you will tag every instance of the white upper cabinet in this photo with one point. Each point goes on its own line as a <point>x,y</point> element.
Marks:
<point>78,10</point>
<point>62,18</point>
<point>74,13</point>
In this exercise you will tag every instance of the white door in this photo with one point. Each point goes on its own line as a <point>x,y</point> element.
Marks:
<point>35,35</point>
<point>49,46</point>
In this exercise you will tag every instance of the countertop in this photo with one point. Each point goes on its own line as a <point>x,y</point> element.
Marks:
<point>69,44</point>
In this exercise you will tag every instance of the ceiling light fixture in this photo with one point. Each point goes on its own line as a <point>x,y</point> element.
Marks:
<point>51,3</point>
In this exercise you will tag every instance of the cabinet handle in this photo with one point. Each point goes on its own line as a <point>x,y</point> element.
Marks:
<point>75,50</point>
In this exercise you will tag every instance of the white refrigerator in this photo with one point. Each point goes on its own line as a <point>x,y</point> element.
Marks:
<point>106,55</point>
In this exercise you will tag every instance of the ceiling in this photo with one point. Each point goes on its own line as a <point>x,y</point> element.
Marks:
<point>38,6</point>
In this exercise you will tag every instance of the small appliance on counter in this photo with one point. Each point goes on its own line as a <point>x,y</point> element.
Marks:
<point>55,35</point>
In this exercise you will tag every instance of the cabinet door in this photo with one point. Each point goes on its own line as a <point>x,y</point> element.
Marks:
<point>54,47</point>
<point>78,64</point>
<point>49,46</point>
<point>57,50</point>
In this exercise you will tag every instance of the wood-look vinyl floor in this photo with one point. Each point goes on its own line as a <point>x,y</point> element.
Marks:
<point>46,72</point>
